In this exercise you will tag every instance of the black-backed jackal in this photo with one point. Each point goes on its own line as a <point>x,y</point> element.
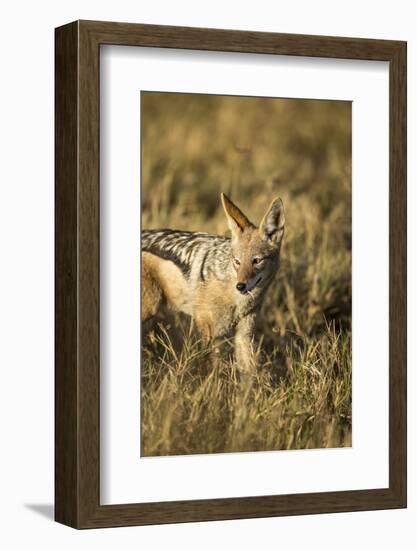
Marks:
<point>219,281</point>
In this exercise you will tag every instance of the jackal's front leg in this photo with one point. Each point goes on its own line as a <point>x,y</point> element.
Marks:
<point>245,346</point>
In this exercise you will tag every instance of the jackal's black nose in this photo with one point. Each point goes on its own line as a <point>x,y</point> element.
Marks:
<point>241,287</point>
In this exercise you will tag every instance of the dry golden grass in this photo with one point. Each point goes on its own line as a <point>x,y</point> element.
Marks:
<point>193,147</point>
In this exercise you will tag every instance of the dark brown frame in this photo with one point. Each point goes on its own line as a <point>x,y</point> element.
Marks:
<point>77,274</point>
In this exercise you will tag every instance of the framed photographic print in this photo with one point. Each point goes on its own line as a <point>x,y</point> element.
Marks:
<point>230,274</point>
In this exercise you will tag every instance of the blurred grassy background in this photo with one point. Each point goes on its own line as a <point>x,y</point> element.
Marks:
<point>194,147</point>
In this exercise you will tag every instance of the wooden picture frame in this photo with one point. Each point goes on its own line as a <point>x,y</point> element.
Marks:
<point>77,374</point>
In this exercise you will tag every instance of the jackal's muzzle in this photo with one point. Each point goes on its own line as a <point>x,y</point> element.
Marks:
<point>250,284</point>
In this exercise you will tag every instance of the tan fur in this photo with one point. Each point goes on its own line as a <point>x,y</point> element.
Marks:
<point>216,305</point>
<point>161,281</point>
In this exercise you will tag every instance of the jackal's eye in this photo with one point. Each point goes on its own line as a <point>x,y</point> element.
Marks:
<point>257,261</point>
<point>237,262</point>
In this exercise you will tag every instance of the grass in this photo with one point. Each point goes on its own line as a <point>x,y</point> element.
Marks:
<point>193,147</point>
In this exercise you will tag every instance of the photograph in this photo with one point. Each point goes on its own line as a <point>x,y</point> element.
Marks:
<point>246,274</point>
<point>208,274</point>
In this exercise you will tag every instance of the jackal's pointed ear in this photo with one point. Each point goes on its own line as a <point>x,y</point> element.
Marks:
<point>272,225</point>
<point>236,219</point>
